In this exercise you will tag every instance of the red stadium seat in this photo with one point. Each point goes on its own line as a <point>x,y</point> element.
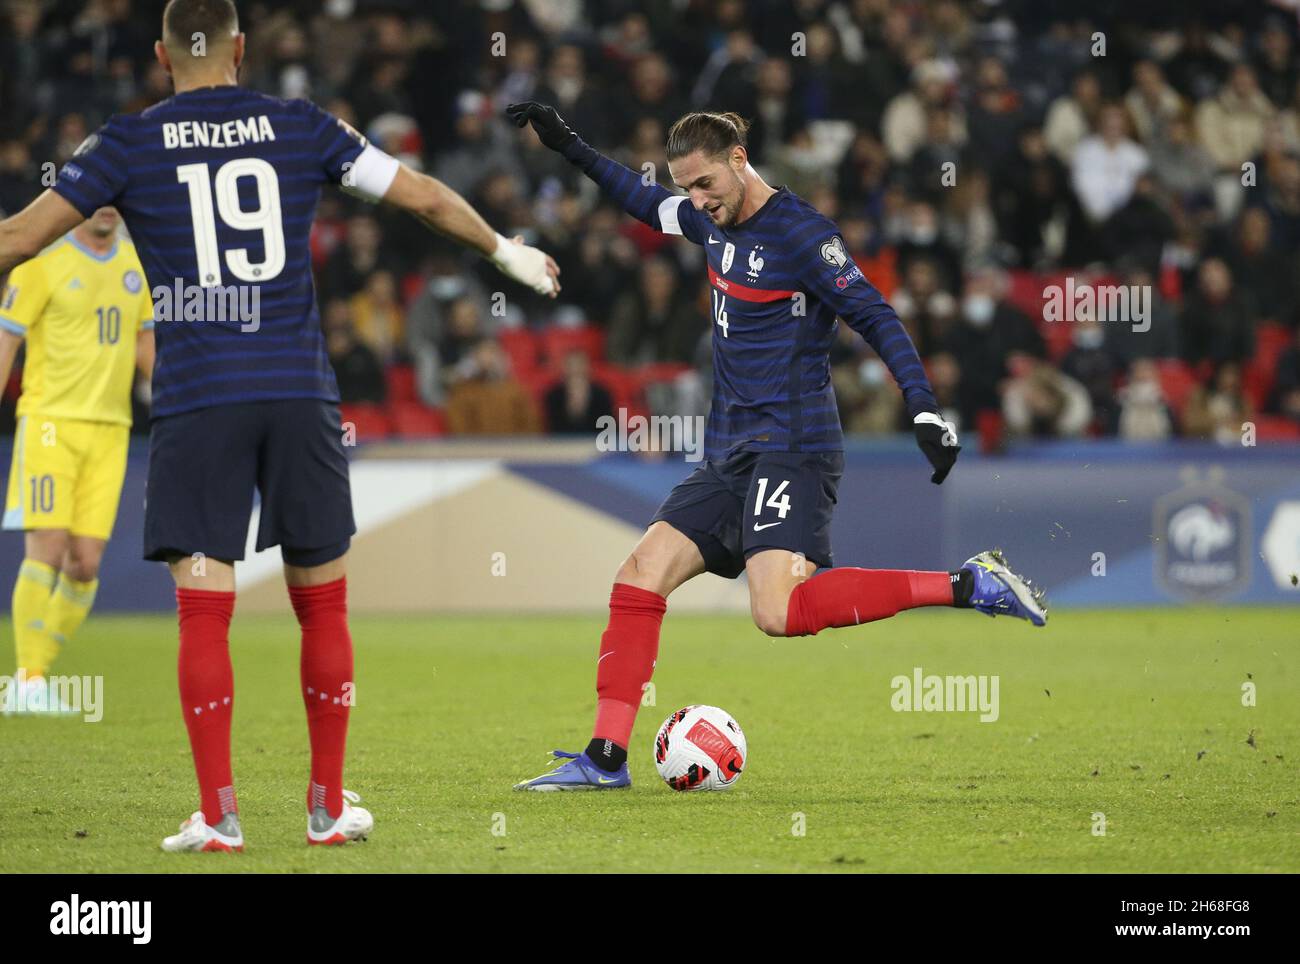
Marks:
<point>413,419</point>
<point>623,385</point>
<point>1276,428</point>
<point>1271,340</point>
<point>412,285</point>
<point>989,426</point>
<point>401,383</point>
<point>370,421</point>
<point>1025,292</point>
<point>521,346</point>
<point>1177,381</point>
<point>558,342</point>
<point>660,372</point>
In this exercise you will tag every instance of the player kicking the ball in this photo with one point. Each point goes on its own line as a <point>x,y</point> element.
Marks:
<point>761,502</point>
<point>218,186</point>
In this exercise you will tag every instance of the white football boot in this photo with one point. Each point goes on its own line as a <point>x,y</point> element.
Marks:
<point>197,837</point>
<point>353,823</point>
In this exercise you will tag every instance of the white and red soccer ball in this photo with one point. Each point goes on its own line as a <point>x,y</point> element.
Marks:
<point>700,748</point>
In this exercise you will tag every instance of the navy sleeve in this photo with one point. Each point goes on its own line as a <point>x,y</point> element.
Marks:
<point>830,274</point>
<point>95,175</point>
<point>335,142</point>
<point>649,203</point>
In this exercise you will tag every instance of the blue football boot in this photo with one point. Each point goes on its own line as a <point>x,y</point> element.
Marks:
<point>1000,592</point>
<point>578,772</point>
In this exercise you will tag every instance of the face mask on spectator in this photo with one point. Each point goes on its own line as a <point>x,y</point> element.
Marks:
<point>978,310</point>
<point>922,234</point>
<point>567,89</point>
<point>447,287</point>
<point>872,372</point>
<point>1089,337</point>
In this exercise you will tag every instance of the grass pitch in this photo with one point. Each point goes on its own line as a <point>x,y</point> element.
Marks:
<point>1137,715</point>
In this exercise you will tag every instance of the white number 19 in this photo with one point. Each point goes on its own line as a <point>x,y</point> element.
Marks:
<point>265,218</point>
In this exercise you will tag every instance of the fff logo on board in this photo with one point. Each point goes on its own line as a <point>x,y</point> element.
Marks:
<point>1203,539</point>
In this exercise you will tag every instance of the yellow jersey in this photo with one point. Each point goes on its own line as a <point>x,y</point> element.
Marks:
<point>80,313</point>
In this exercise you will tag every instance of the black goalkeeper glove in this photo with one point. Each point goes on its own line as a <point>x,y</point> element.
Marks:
<point>550,126</point>
<point>938,440</point>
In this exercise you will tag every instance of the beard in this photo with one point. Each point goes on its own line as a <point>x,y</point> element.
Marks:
<point>730,209</point>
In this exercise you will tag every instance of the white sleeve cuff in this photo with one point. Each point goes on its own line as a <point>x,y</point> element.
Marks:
<point>669,223</point>
<point>370,174</point>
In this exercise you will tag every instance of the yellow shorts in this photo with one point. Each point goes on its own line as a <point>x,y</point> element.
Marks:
<point>66,474</point>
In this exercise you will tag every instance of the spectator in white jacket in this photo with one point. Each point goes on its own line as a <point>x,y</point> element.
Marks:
<point>1106,166</point>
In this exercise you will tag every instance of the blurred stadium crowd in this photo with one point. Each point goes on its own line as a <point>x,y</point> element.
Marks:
<point>1168,159</point>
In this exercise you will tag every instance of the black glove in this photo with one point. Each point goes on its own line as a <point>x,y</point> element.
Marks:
<point>550,126</point>
<point>938,440</point>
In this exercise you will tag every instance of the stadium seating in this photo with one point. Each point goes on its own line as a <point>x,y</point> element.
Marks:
<point>1177,381</point>
<point>414,419</point>
<point>401,383</point>
<point>521,347</point>
<point>370,421</point>
<point>558,341</point>
<point>1271,340</point>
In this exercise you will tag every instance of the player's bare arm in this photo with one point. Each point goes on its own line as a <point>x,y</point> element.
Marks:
<point>34,227</point>
<point>144,353</point>
<point>9,343</point>
<point>449,214</point>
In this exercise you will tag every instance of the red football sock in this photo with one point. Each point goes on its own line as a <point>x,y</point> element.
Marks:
<point>628,650</point>
<point>327,689</point>
<point>207,685</point>
<point>847,597</point>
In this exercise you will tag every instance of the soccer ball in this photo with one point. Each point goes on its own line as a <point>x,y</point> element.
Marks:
<point>700,748</point>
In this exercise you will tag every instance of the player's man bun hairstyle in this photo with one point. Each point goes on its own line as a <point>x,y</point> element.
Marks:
<point>714,134</point>
<point>216,20</point>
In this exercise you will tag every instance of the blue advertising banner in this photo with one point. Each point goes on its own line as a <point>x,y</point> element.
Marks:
<point>1097,524</point>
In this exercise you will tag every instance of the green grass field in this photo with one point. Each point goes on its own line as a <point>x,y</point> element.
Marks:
<point>1144,723</point>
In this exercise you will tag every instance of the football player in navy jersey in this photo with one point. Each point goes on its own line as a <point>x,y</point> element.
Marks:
<point>762,500</point>
<point>218,186</point>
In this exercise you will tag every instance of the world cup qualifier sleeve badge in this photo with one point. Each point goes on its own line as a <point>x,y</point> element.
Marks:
<point>1203,535</point>
<point>834,253</point>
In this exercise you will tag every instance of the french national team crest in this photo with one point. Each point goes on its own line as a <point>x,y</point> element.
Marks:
<point>1203,538</point>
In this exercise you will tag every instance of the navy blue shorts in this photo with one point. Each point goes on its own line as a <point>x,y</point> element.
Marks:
<point>205,464</point>
<point>753,501</point>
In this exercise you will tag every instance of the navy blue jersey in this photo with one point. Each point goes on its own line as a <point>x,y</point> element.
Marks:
<point>218,187</point>
<point>780,279</point>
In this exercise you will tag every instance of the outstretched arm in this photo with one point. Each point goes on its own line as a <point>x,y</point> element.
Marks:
<point>360,168</point>
<point>832,276</point>
<point>647,202</point>
<point>449,214</point>
<point>39,224</point>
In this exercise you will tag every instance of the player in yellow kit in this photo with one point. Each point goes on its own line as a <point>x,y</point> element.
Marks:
<point>84,309</point>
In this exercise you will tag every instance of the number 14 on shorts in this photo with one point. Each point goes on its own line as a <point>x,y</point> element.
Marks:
<point>778,500</point>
